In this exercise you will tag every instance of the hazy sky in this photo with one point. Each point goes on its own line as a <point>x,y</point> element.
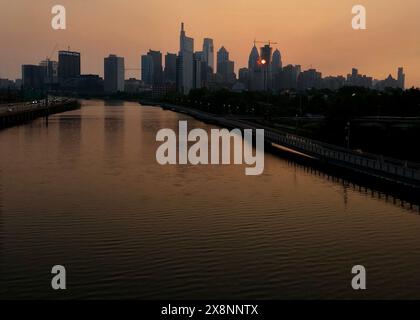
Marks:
<point>313,33</point>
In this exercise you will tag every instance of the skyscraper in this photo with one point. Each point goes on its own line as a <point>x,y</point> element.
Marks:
<point>276,66</point>
<point>197,74</point>
<point>309,79</point>
<point>147,69</point>
<point>68,64</point>
<point>114,74</point>
<point>289,77</point>
<point>33,77</point>
<point>266,54</point>
<point>51,71</point>
<point>170,68</point>
<point>157,74</point>
<point>151,67</point>
<point>225,67</point>
<point>208,51</point>
<point>255,75</point>
<point>185,63</point>
<point>222,56</point>
<point>276,62</point>
<point>401,78</point>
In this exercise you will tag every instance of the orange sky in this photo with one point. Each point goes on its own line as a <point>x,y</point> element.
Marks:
<point>313,33</point>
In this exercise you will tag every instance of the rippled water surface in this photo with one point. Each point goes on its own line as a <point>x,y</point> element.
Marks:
<point>86,192</point>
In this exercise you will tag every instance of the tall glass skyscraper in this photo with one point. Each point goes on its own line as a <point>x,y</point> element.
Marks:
<point>208,52</point>
<point>185,63</point>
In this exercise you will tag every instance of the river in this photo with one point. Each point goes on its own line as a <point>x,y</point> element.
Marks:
<point>87,193</point>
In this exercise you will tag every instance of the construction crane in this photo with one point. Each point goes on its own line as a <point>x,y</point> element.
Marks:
<point>269,42</point>
<point>52,52</point>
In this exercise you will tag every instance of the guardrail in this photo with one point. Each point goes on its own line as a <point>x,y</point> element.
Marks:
<point>369,162</point>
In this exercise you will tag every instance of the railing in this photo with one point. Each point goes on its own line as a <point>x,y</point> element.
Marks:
<point>367,161</point>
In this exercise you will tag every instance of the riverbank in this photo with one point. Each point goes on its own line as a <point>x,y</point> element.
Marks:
<point>15,114</point>
<point>388,174</point>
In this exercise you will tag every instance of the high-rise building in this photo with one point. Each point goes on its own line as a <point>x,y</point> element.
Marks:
<point>358,80</point>
<point>185,63</point>
<point>289,77</point>
<point>114,74</point>
<point>255,75</point>
<point>33,77</point>
<point>276,62</point>
<point>309,79</point>
<point>208,50</point>
<point>147,69</point>
<point>243,76</point>
<point>266,54</point>
<point>225,67</point>
<point>157,66</point>
<point>151,68</point>
<point>276,66</point>
<point>170,68</point>
<point>222,56</point>
<point>197,74</point>
<point>333,83</point>
<point>51,71</point>
<point>401,78</point>
<point>68,64</point>
<point>7,84</point>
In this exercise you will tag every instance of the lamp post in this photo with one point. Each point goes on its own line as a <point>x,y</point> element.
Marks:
<point>348,129</point>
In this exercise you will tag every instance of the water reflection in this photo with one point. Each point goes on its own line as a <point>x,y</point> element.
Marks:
<point>347,185</point>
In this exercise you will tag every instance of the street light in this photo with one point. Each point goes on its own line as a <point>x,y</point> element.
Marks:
<point>348,128</point>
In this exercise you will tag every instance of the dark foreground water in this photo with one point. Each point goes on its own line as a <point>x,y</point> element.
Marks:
<point>87,193</point>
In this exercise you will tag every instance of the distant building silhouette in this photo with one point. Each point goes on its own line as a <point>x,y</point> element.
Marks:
<point>225,67</point>
<point>289,77</point>
<point>51,71</point>
<point>147,69</point>
<point>276,67</point>
<point>357,80</point>
<point>151,67</point>
<point>33,77</point>
<point>185,63</point>
<point>132,85</point>
<point>333,83</point>
<point>68,65</point>
<point>243,76</point>
<point>255,75</point>
<point>309,79</point>
<point>200,70</point>
<point>389,82</point>
<point>266,55</point>
<point>401,78</point>
<point>170,68</point>
<point>208,51</point>
<point>114,74</point>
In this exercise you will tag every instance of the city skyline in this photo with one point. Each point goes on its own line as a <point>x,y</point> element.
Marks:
<point>334,51</point>
<point>191,69</point>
